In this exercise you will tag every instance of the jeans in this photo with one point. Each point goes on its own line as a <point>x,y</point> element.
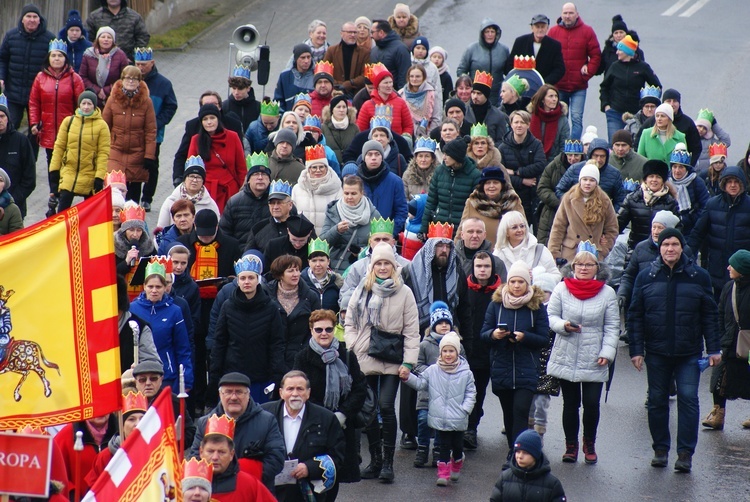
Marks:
<point>516,404</point>
<point>539,409</point>
<point>576,101</point>
<point>614,123</point>
<point>424,431</point>
<point>454,445</point>
<point>574,393</point>
<point>687,376</point>
<point>481,379</point>
<point>385,388</point>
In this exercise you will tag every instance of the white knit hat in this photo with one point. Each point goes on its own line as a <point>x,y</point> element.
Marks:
<point>589,170</point>
<point>383,251</point>
<point>589,136</point>
<point>666,109</point>
<point>520,269</point>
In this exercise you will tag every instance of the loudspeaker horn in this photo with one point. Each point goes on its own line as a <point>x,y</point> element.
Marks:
<point>245,38</point>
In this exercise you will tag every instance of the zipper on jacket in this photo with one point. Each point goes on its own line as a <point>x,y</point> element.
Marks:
<point>80,149</point>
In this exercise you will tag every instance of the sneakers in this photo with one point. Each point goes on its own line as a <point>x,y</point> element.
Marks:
<point>443,473</point>
<point>456,466</point>
<point>571,453</point>
<point>684,462</point>
<point>146,206</point>
<point>715,419</point>
<point>589,451</point>
<point>420,460</point>
<point>660,458</point>
<point>408,442</point>
<point>470,439</point>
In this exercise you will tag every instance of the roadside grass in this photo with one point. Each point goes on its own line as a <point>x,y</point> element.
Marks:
<point>180,35</point>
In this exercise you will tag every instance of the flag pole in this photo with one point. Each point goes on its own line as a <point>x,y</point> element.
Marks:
<point>78,448</point>
<point>136,339</point>
<point>182,396</point>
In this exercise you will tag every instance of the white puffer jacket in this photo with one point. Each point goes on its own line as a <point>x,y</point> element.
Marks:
<point>165,216</point>
<point>574,355</point>
<point>313,203</point>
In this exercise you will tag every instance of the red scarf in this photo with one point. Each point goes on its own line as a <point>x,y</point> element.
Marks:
<point>583,290</point>
<point>475,286</point>
<point>550,130</point>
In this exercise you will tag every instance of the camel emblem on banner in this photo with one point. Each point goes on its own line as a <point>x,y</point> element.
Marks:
<point>20,356</point>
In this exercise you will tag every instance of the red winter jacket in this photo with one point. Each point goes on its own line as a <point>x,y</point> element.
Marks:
<point>52,99</point>
<point>579,47</point>
<point>65,440</point>
<point>225,168</point>
<point>402,121</point>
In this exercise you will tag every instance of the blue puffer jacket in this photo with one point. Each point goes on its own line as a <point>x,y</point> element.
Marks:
<point>672,311</point>
<point>164,100</point>
<point>77,48</point>
<point>515,365</point>
<point>286,89</point>
<point>170,337</point>
<point>610,179</point>
<point>257,136</point>
<point>386,191</point>
<point>726,225</point>
<point>21,57</point>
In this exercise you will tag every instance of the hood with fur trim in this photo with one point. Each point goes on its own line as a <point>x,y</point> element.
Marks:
<point>537,299</point>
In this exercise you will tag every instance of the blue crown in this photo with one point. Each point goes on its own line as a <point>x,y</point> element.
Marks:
<point>241,71</point>
<point>589,247</point>
<point>680,157</point>
<point>303,97</point>
<point>3,100</point>
<point>144,54</point>
<point>380,121</point>
<point>248,263</point>
<point>327,473</point>
<point>313,121</point>
<point>195,160</point>
<point>58,45</point>
<point>630,185</point>
<point>651,91</point>
<point>425,144</point>
<point>384,111</point>
<point>573,146</point>
<point>280,187</point>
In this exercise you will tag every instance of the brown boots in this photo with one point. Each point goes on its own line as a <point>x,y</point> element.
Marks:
<point>715,419</point>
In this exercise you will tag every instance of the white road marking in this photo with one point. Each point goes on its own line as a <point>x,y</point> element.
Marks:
<point>695,8</point>
<point>677,6</point>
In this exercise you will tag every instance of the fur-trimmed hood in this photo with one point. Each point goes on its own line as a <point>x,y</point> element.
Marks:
<point>121,99</point>
<point>603,274</point>
<point>536,299</point>
<point>411,29</point>
<point>351,112</point>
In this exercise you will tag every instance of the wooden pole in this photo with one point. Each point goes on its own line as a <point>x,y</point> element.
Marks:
<point>182,396</point>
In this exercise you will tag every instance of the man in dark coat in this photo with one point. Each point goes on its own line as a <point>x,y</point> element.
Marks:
<point>671,313</point>
<point>481,111</point>
<point>546,50</point>
<point>128,25</point>
<point>391,51</point>
<point>473,239</point>
<point>18,160</point>
<point>300,231</point>
<point>349,60</point>
<point>241,100</point>
<point>250,205</point>
<point>22,54</point>
<point>281,207</point>
<point>318,443</point>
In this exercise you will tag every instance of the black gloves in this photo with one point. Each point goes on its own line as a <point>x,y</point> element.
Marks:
<point>98,185</point>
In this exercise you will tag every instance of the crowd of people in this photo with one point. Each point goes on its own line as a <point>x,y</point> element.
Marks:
<point>378,231</point>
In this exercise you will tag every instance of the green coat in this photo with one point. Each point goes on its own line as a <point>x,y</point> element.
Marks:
<point>11,220</point>
<point>545,189</point>
<point>652,147</point>
<point>448,192</point>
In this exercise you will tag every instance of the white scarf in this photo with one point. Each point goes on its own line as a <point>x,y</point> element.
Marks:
<point>340,124</point>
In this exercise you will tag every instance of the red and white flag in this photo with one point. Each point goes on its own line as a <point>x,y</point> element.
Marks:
<point>147,465</point>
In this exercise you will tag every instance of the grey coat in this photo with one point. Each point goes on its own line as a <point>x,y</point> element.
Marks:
<point>574,355</point>
<point>452,396</point>
<point>478,56</point>
<point>429,351</point>
<point>338,242</point>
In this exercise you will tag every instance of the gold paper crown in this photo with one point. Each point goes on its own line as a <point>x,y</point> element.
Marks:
<point>159,265</point>
<point>440,230</point>
<point>222,425</point>
<point>524,63</point>
<point>134,401</point>
<point>115,177</point>
<point>132,213</point>
<point>484,78</point>
<point>367,72</point>
<point>195,468</point>
<point>318,246</point>
<point>717,149</point>
<point>381,226</point>
<point>32,430</point>
<point>317,152</point>
<point>377,69</point>
<point>324,67</point>
<point>4,295</point>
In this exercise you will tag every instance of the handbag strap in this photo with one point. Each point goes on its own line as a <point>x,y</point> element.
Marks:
<point>734,304</point>
<point>537,255</point>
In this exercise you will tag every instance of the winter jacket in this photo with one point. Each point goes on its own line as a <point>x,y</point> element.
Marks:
<point>491,59</point>
<point>257,136</point>
<point>225,168</point>
<point>53,97</point>
<point>686,126</point>
<point>610,179</point>
<point>255,428</point>
<point>247,110</point>
<point>716,135</point>
<point>398,314</point>
<point>356,79</point>
<point>294,326</point>
<point>429,351</point>
<point>673,311</point>
<point>609,55</point>
<point>394,55</point>
<point>264,231</point>
<point>545,190</point>
<point>569,228</point>
<point>579,47</point>
<point>621,87</point>
<point>427,108</point>
<point>434,78</point>
<point>11,219</point>
<point>386,191</point>
<point>170,337</point>
<point>537,484</point>
<point>536,255</point>
<point>339,140</point>
<point>495,120</point>
<point>165,215</point>
<point>287,88</point>
<point>127,23</point>
<point>479,299</point>
<point>574,355</point>
<point>186,288</point>
<point>286,169</point>
<point>90,62</point>
<point>638,214</point>
<point>634,124</point>
<point>228,251</point>
<point>652,148</point>
<point>18,160</point>
<point>22,55</point>
<point>737,374</point>
<point>313,203</point>
<point>146,249</point>
<point>549,57</point>
<point>563,129</point>
<point>242,212</point>
<point>402,121</point>
<point>408,33</point>
<point>163,98</point>
<point>417,180</point>
<point>467,264</point>
<point>244,323</point>
<point>515,365</point>
<point>451,395</point>
<point>77,48</point>
<point>338,242</point>
<point>699,197</point>
<point>132,124</point>
<point>479,206</point>
<point>630,166</point>
<point>526,160</point>
<point>357,271</point>
<point>81,152</point>
<point>449,190</point>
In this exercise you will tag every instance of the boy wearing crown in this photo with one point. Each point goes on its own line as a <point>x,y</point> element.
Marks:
<point>323,82</point>
<point>481,111</point>
<point>241,100</point>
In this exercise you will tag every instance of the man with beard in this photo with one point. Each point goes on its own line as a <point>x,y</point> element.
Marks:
<point>323,82</point>
<point>481,110</point>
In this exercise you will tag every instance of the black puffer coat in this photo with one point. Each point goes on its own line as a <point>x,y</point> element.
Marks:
<point>17,158</point>
<point>295,326</point>
<point>635,211</point>
<point>738,377</point>
<point>21,58</point>
<point>526,160</point>
<point>535,485</point>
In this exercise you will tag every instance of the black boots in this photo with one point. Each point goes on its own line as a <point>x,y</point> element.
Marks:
<point>372,471</point>
<point>386,472</point>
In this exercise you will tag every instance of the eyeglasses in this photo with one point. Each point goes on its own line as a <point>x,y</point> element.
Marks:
<point>317,168</point>
<point>328,330</point>
<point>353,32</point>
<point>584,265</point>
<point>194,177</point>
<point>238,393</point>
<point>144,379</point>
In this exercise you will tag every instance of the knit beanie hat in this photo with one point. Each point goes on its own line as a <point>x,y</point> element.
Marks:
<point>383,251</point>
<point>671,232</point>
<point>74,19</point>
<point>590,170</point>
<point>87,95</point>
<point>401,7</point>
<point>451,339</point>
<point>456,149</point>
<point>520,269</point>
<point>455,103</point>
<point>4,176</point>
<point>622,136</point>
<point>657,167</point>
<point>338,99</point>
<point>590,135</point>
<point>530,442</point>
<point>672,94</point>
<point>30,8</point>
<point>666,218</point>
<point>363,20</point>
<point>628,45</point>
<point>349,169</point>
<point>546,281</point>
<point>209,109</point>
<point>300,49</point>
<point>285,135</point>
<point>421,41</point>
<point>372,145</point>
<point>440,51</point>
<point>740,261</point>
<point>618,24</point>
<point>666,109</point>
<point>439,311</point>
<point>118,200</point>
<point>106,29</point>
<point>195,168</point>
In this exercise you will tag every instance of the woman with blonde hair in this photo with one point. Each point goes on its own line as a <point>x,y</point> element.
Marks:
<point>585,214</point>
<point>658,142</point>
<point>515,243</point>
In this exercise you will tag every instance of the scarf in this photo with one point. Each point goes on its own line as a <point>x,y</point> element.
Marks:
<point>325,186</point>
<point>494,283</point>
<point>5,199</point>
<point>372,303</point>
<point>128,93</point>
<point>288,299</point>
<point>421,273</point>
<point>651,197</point>
<point>340,124</point>
<point>683,196</point>
<point>356,215</point>
<point>491,208</point>
<point>547,137</point>
<point>583,290</point>
<point>338,379</point>
<point>206,266</point>
<point>98,433</point>
<point>192,198</point>
<point>102,65</point>
<point>480,111</point>
<point>419,105</point>
<point>320,285</point>
<point>448,367</point>
<point>516,302</point>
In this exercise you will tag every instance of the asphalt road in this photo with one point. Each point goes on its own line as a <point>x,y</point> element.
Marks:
<point>703,55</point>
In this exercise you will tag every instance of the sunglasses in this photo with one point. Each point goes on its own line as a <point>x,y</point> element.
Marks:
<point>148,379</point>
<point>320,330</point>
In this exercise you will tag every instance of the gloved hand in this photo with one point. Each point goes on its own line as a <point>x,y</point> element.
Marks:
<point>422,237</point>
<point>98,185</point>
<point>176,182</point>
<point>150,164</point>
<point>561,262</point>
<point>342,419</point>
<point>54,182</point>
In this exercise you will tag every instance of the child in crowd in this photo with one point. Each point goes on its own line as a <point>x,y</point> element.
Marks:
<point>452,394</point>
<point>10,214</point>
<point>529,477</point>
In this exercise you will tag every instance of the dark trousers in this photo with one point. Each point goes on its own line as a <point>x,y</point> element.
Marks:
<point>385,388</point>
<point>134,191</point>
<point>452,444</point>
<point>16,111</point>
<point>575,393</point>
<point>407,410</point>
<point>516,404</point>
<point>66,200</point>
<point>149,188</point>
<point>481,379</point>
<point>200,393</point>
